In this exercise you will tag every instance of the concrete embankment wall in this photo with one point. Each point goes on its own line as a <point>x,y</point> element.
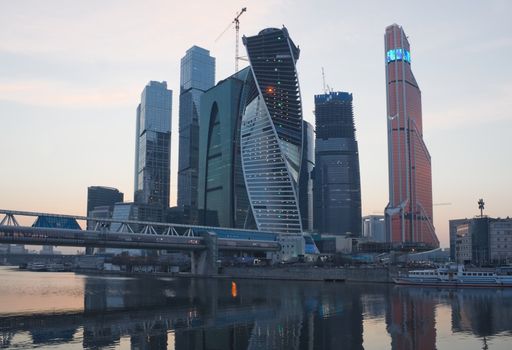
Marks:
<point>310,273</point>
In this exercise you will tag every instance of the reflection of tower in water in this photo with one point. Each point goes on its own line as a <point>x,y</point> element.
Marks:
<point>410,320</point>
<point>483,312</point>
<point>5,339</point>
<point>280,316</point>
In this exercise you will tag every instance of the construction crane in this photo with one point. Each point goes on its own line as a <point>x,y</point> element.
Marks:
<point>327,88</point>
<point>236,22</point>
<point>323,80</point>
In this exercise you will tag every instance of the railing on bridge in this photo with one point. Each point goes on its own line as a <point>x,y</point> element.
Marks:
<point>103,232</point>
<point>202,242</point>
<point>106,224</point>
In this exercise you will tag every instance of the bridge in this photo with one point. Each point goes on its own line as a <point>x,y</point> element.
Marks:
<point>203,242</point>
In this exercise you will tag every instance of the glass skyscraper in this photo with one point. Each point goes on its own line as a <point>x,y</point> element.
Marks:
<point>222,194</point>
<point>271,131</point>
<point>197,76</point>
<point>409,211</point>
<point>305,180</point>
<point>337,183</point>
<point>153,145</point>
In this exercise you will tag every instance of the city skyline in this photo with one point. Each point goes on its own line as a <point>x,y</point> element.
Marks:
<point>99,90</point>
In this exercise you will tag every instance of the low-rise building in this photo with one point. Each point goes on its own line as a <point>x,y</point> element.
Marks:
<point>463,244</point>
<point>374,228</point>
<point>484,241</point>
<point>500,241</point>
<point>453,235</point>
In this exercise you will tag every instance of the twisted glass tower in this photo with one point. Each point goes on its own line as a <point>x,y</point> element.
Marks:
<point>409,212</point>
<point>271,131</point>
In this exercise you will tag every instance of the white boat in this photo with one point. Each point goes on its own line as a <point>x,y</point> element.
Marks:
<point>56,267</point>
<point>36,266</point>
<point>455,276</point>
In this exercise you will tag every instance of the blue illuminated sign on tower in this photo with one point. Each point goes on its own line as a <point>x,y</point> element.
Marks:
<point>398,55</point>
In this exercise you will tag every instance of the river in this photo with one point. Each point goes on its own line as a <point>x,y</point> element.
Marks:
<point>46,310</point>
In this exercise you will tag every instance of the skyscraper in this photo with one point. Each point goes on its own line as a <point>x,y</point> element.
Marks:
<point>222,194</point>
<point>337,183</point>
<point>153,145</point>
<point>197,76</point>
<point>409,211</point>
<point>251,141</point>
<point>305,180</point>
<point>271,131</point>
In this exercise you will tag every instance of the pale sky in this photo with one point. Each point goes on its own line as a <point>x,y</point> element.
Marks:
<point>71,74</point>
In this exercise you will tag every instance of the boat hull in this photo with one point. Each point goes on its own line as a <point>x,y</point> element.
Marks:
<point>453,283</point>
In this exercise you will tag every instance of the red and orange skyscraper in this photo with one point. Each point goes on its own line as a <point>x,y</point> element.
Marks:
<point>409,216</point>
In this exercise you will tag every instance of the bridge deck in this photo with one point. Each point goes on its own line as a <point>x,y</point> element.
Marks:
<point>84,238</point>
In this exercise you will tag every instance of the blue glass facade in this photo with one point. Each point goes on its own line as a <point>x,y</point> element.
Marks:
<point>337,184</point>
<point>197,76</point>
<point>222,194</point>
<point>153,145</point>
<point>56,222</point>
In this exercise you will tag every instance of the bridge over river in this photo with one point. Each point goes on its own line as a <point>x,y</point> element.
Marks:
<point>202,242</point>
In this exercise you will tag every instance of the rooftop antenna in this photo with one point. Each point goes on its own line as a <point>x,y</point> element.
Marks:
<point>236,22</point>
<point>481,206</point>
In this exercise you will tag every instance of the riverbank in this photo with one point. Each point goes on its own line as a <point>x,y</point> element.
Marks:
<point>313,273</point>
<point>279,273</point>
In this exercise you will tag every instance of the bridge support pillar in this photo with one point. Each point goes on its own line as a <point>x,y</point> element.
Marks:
<point>204,263</point>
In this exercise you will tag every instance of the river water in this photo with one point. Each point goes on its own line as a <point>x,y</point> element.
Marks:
<point>46,310</point>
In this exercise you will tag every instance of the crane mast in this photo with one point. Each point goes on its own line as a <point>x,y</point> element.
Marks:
<point>235,21</point>
<point>237,30</point>
<point>323,80</point>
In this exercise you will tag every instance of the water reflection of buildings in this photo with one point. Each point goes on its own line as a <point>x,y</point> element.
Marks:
<point>204,315</point>
<point>297,317</point>
<point>410,319</point>
<point>482,312</point>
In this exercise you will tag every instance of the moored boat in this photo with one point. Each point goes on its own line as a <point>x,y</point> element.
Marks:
<point>455,276</point>
<point>37,266</point>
